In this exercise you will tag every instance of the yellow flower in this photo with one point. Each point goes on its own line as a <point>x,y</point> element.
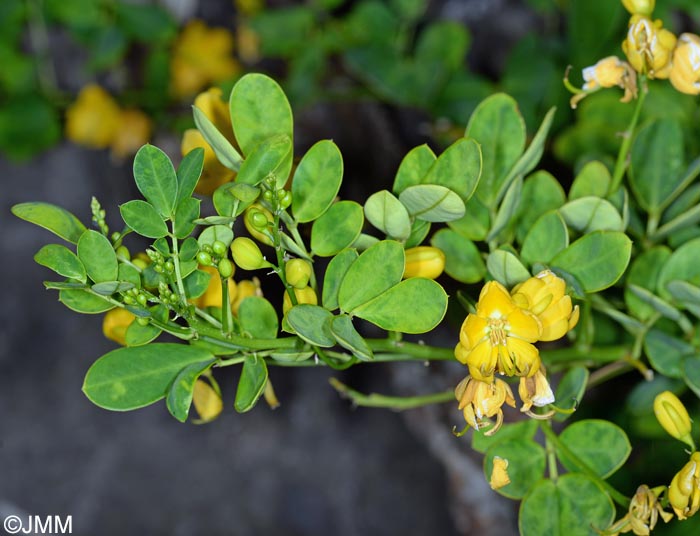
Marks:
<point>115,324</point>
<point>643,513</point>
<point>479,401</point>
<point>93,119</point>
<point>685,71</point>
<point>214,173</point>
<point>544,296</point>
<point>639,7</point>
<point>246,288</point>
<point>535,391</point>
<point>499,473</point>
<point>303,295</point>
<point>499,337</point>
<point>672,415</point>
<point>207,402</point>
<point>608,72</point>
<point>684,491</point>
<point>134,130</point>
<point>212,296</point>
<point>201,56</point>
<point>424,261</point>
<point>648,47</point>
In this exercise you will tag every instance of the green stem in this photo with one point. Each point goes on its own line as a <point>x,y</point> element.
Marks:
<point>549,434</point>
<point>236,342</point>
<point>623,154</point>
<point>206,316</point>
<point>178,273</point>
<point>551,456</point>
<point>277,243</point>
<point>397,403</point>
<point>226,313</point>
<point>413,351</point>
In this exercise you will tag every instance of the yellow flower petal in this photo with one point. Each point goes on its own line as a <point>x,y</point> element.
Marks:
<point>499,473</point>
<point>494,301</point>
<point>524,325</point>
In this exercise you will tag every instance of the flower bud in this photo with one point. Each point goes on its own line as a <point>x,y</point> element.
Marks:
<point>256,219</point>
<point>499,473</point>
<point>649,46</point>
<point>479,401</point>
<point>225,268</point>
<point>115,324</point>
<point>303,295</point>
<point>685,71</point>
<point>673,416</point>
<point>207,402</point>
<point>247,254</point>
<point>298,272</point>
<point>535,391</point>
<point>639,7</point>
<point>424,261</point>
<point>684,490</point>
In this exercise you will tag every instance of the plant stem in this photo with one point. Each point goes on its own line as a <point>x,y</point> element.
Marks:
<point>414,351</point>
<point>178,273</point>
<point>226,313</point>
<point>623,154</point>
<point>615,495</point>
<point>397,403</point>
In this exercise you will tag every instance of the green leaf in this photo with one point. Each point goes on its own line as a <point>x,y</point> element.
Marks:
<point>644,272</point>
<point>601,445</point>
<point>224,151</point>
<point>259,110</point>
<point>570,390</point>
<point>196,283</point>
<point>506,268</point>
<point>258,318</point>
<point>682,265</point>
<point>597,260</point>
<point>61,260</point>
<point>431,202</point>
<point>588,214</point>
<point>251,383</point>
<point>573,506</point>
<point>55,219</point>
<point>657,164</point>
<point>215,233</point>
<point>97,255</point>
<point>316,181</point>
<point>82,301</point>
<point>666,353</point>
<point>415,305</point>
<point>388,215</point>
<point>131,378</point>
<point>526,463</point>
<point>143,218</point>
<point>156,179</point>
<point>188,249</point>
<point>348,337</point>
<point>188,173</point>
<point>541,193</point>
<point>335,273</point>
<point>691,374</point>
<point>547,237</point>
<point>593,180</point>
<point>463,260</point>
<point>414,166</point>
<point>457,168</point>
<point>271,157</point>
<point>185,214</point>
<point>498,127</point>
<point>231,199</point>
<point>419,230</point>
<point>475,223</point>
<point>312,323</point>
<point>179,397</point>
<point>138,335</point>
<point>107,288</point>
<point>378,269</point>
<point>522,430</point>
<point>507,210</point>
<point>337,228</point>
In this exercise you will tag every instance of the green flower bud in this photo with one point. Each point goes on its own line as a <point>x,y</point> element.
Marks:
<point>298,272</point>
<point>225,268</point>
<point>673,416</point>
<point>247,255</point>
<point>122,251</point>
<point>268,196</point>
<point>204,258</point>
<point>286,199</point>
<point>142,299</point>
<point>219,248</point>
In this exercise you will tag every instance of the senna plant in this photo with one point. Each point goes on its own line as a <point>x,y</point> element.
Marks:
<point>608,268</point>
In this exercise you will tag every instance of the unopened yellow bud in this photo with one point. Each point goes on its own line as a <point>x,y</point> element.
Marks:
<point>254,215</point>
<point>685,71</point>
<point>673,416</point>
<point>639,7</point>
<point>115,324</point>
<point>424,261</point>
<point>247,254</point>
<point>298,272</point>
<point>303,295</point>
<point>649,46</point>
<point>207,402</point>
<point>684,490</point>
<point>499,473</point>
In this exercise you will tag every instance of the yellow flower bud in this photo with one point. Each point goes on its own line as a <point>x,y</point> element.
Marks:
<point>246,288</point>
<point>479,401</point>
<point>684,490</point>
<point>424,261</point>
<point>298,272</point>
<point>93,119</point>
<point>639,7</point>
<point>499,473</point>
<point>673,416</point>
<point>115,324</point>
<point>207,402</point>
<point>685,71</point>
<point>535,391</point>
<point>212,296</point>
<point>134,130</point>
<point>648,47</point>
<point>303,295</point>
<point>247,254</point>
<point>544,296</point>
<point>250,218</point>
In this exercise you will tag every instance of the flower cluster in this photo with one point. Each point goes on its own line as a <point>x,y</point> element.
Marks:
<point>651,50</point>
<point>499,338</point>
<point>97,121</point>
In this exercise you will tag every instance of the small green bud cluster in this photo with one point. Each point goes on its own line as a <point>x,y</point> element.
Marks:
<point>136,296</point>
<point>216,254</point>
<point>98,216</point>
<point>166,295</point>
<point>277,198</point>
<point>161,265</point>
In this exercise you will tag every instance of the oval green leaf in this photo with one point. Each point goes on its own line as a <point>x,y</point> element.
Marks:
<point>316,181</point>
<point>335,273</point>
<point>463,260</point>
<point>348,337</point>
<point>52,218</point>
<point>601,445</point>
<point>413,168</point>
<point>188,173</point>
<point>541,193</point>
<point>457,168</point>
<point>312,323</point>
<point>156,179</point>
<point>388,215</point>
<point>258,318</point>
<point>179,397</point>
<point>251,384</point>
<point>570,390</point>
<point>143,219</point>
<point>431,202</point>
<point>337,228</point>
<point>644,272</point>
<point>271,157</point>
<point>61,260</point>
<point>547,237</point>
<point>593,180</point>
<point>682,265</point>
<point>82,301</point>
<point>526,463</point>
<point>588,214</point>
<point>506,268</point>
<point>97,255</point>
